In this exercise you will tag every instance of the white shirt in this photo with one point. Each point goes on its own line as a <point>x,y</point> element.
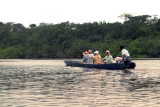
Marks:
<point>89,58</point>
<point>125,52</point>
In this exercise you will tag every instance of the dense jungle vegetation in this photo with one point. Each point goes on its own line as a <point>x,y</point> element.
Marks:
<point>139,34</point>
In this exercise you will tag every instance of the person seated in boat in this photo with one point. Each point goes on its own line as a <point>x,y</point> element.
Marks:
<point>126,58</point>
<point>84,60</point>
<point>84,53</point>
<point>108,58</point>
<point>96,58</point>
<point>118,59</point>
<point>99,55</point>
<point>88,58</point>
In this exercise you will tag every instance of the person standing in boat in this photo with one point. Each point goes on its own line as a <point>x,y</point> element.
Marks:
<point>126,58</point>
<point>108,58</point>
<point>96,58</point>
<point>88,58</point>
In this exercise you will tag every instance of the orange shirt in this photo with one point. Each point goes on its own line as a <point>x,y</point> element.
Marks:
<point>96,59</point>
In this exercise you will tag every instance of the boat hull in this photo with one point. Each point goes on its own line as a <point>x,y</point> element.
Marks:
<point>111,66</point>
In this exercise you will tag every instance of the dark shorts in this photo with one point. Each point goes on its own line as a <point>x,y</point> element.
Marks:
<point>127,58</point>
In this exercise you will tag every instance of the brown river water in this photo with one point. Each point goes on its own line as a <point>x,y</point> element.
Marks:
<point>48,83</point>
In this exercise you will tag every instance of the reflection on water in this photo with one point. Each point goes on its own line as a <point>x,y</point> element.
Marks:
<point>40,83</point>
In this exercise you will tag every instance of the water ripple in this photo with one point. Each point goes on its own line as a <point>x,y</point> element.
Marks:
<point>51,83</point>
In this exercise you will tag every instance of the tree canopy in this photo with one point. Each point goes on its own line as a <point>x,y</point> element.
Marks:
<point>139,34</point>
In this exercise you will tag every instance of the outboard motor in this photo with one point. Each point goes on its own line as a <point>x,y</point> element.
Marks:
<point>131,65</point>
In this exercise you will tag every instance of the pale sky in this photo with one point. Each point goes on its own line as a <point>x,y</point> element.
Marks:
<point>29,12</point>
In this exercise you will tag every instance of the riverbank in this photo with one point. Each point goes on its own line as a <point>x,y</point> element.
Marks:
<point>77,59</point>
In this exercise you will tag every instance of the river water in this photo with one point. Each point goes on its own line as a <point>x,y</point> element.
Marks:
<point>44,83</point>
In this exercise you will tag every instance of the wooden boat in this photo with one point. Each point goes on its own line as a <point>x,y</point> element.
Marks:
<point>111,66</point>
